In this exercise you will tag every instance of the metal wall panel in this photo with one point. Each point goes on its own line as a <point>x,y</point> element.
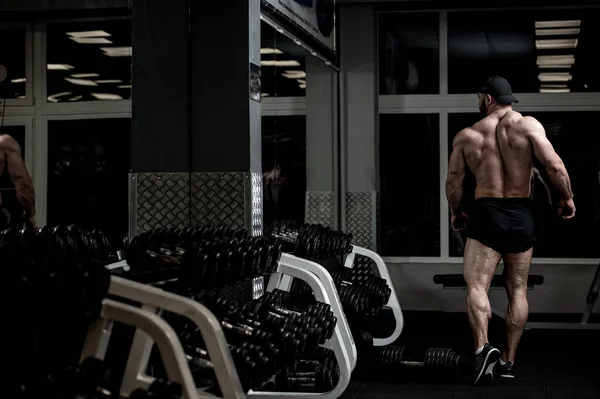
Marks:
<point>320,208</point>
<point>360,218</point>
<point>159,200</point>
<point>254,204</point>
<point>218,198</point>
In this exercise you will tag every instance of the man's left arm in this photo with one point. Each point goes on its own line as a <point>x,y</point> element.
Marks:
<point>456,175</point>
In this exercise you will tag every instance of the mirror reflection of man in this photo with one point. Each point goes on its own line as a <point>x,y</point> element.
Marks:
<point>12,163</point>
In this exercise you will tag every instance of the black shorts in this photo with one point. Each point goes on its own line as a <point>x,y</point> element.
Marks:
<point>503,224</point>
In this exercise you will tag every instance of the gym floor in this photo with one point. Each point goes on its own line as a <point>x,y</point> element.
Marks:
<point>550,364</point>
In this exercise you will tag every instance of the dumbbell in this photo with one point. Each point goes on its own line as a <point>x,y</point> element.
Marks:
<point>440,359</point>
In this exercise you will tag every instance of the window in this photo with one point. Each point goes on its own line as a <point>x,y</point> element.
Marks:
<point>580,150</point>
<point>283,65</point>
<point>410,184</point>
<point>89,61</point>
<point>537,50</point>
<point>12,57</point>
<point>88,165</point>
<point>284,168</point>
<point>409,53</point>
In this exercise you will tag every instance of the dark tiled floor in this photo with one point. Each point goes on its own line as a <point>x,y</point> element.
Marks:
<point>549,364</point>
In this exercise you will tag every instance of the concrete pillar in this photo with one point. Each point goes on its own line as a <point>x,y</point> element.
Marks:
<point>359,121</point>
<point>196,141</point>
<point>321,143</point>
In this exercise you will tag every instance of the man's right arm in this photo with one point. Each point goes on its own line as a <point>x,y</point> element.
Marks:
<point>19,176</point>
<point>545,153</point>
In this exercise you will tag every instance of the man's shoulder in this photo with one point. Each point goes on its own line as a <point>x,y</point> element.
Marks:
<point>467,133</point>
<point>8,143</point>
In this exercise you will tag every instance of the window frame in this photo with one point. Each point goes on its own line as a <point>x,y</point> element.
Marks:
<point>445,104</point>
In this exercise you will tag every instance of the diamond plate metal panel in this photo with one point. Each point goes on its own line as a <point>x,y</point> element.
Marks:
<point>161,200</point>
<point>218,198</point>
<point>256,204</point>
<point>360,218</point>
<point>320,207</point>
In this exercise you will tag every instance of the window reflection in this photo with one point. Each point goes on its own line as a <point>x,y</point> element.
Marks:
<point>548,51</point>
<point>12,57</point>
<point>89,61</point>
<point>409,53</point>
<point>283,65</point>
<point>88,165</point>
<point>284,168</point>
<point>580,150</point>
<point>410,190</point>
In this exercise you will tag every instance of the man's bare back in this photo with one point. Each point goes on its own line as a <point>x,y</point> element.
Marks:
<point>499,151</point>
<point>12,163</point>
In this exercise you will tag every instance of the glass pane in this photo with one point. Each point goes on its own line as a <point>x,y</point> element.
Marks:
<point>12,57</point>
<point>410,184</point>
<point>89,61</point>
<point>88,166</point>
<point>580,150</point>
<point>537,51</point>
<point>7,187</point>
<point>283,66</point>
<point>409,53</point>
<point>284,168</point>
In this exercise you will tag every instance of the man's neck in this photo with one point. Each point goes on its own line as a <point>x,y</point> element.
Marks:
<point>499,110</point>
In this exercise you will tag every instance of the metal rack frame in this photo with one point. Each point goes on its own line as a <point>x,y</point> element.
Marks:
<point>317,277</point>
<point>392,302</point>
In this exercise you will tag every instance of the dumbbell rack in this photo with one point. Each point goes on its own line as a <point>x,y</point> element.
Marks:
<point>341,343</point>
<point>154,300</point>
<point>393,303</point>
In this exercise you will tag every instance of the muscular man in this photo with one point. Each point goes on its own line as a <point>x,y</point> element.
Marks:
<point>11,162</point>
<point>498,150</point>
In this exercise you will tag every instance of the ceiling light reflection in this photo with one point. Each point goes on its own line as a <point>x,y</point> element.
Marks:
<point>81,82</point>
<point>19,80</point>
<point>286,63</point>
<point>558,24</point>
<point>91,40</point>
<point>85,75</point>
<point>60,67</point>
<point>557,32</point>
<point>107,96</point>
<point>555,77</point>
<point>54,98</point>
<point>268,51</point>
<point>89,33</point>
<point>550,44</point>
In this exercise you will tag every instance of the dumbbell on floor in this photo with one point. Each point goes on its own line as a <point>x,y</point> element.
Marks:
<point>438,359</point>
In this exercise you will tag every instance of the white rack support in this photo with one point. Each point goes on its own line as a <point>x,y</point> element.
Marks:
<point>324,290</point>
<point>392,302</point>
<point>283,282</point>
<point>166,340</point>
<point>154,299</point>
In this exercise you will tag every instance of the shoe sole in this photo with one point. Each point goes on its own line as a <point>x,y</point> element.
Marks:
<point>491,359</point>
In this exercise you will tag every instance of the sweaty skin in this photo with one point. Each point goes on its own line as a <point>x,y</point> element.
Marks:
<point>499,150</point>
<point>11,161</point>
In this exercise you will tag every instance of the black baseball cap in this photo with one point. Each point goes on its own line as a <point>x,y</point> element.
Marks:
<point>499,89</point>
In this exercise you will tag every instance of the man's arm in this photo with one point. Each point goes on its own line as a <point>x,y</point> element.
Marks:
<point>456,174</point>
<point>544,152</point>
<point>19,175</point>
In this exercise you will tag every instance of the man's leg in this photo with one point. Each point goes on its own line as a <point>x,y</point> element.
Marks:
<point>479,268</point>
<point>517,273</point>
